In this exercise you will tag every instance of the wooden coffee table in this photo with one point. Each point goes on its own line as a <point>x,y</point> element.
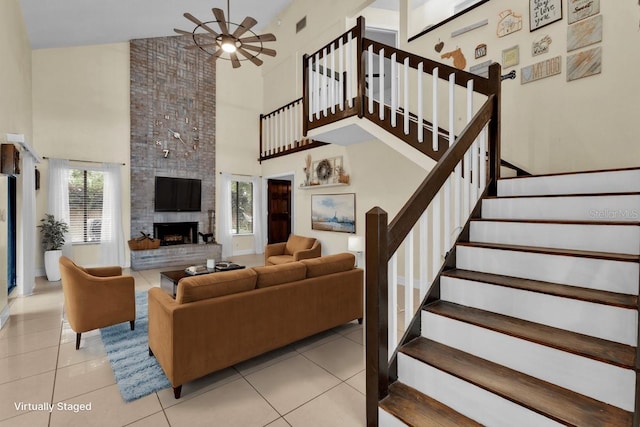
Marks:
<point>169,279</point>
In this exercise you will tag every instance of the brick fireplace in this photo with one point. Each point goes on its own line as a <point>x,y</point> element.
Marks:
<point>171,86</point>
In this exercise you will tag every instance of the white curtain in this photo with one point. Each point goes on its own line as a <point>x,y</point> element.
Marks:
<point>258,217</point>
<point>224,217</point>
<point>27,242</point>
<point>58,200</point>
<point>112,250</point>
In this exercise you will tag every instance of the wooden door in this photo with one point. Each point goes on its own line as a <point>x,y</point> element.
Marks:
<point>279,210</point>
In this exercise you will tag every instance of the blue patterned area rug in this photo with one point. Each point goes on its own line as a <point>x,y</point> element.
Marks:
<point>137,373</point>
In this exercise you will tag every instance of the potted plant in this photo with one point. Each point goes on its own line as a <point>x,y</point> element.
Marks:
<point>52,232</point>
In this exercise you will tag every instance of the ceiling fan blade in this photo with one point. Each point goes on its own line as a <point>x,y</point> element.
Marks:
<point>215,56</point>
<point>258,49</point>
<point>234,60</point>
<point>219,14</point>
<point>259,38</point>
<point>183,32</point>
<point>256,61</point>
<point>196,21</point>
<point>201,46</point>
<point>245,26</point>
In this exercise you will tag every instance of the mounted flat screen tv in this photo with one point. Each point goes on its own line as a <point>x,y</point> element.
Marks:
<point>177,194</point>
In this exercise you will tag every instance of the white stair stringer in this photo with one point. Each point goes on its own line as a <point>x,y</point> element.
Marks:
<point>597,320</point>
<point>603,274</point>
<point>612,181</point>
<point>618,208</point>
<point>612,238</point>
<point>604,382</point>
<point>469,400</point>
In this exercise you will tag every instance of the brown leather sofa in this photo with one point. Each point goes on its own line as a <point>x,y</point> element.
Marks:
<point>218,320</point>
<point>296,248</point>
<point>96,297</point>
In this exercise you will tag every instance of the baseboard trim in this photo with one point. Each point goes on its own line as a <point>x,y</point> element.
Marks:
<point>244,252</point>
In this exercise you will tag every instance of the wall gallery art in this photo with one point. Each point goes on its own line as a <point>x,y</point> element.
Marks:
<point>584,64</point>
<point>581,9</point>
<point>544,12</point>
<point>584,33</point>
<point>511,57</point>
<point>541,70</point>
<point>508,23</point>
<point>334,212</point>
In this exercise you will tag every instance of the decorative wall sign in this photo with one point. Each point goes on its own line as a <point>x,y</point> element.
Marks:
<point>584,64</point>
<point>481,50</point>
<point>544,12</point>
<point>438,47</point>
<point>470,27</point>
<point>511,57</point>
<point>581,9</point>
<point>584,33</point>
<point>541,70</point>
<point>481,69</point>
<point>509,23</point>
<point>333,212</point>
<point>325,171</point>
<point>541,46</point>
<point>459,61</point>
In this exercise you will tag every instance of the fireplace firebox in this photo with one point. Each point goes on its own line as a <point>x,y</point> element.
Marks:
<point>176,233</point>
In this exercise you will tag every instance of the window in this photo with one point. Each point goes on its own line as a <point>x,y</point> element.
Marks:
<point>85,205</point>
<point>241,207</point>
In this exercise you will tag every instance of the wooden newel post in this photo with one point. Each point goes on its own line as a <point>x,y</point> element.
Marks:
<point>494,130</point>
<point>376,316</point>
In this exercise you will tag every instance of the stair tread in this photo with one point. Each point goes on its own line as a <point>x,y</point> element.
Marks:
<point>546,196</point>
<point>566,291</point>
<point>562,405</point>
<point>555,251</point>
<point>570,173</point>
<point>417,409</point>
<point>558,221</point>
<point>583,345</point>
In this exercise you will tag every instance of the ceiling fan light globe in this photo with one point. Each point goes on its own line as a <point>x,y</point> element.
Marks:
<point>229,47</point>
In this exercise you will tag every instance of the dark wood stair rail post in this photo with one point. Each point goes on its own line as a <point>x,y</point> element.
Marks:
<point>376,316</point>
<point>636,411</point>
<point>495,81</point>
<point>305,94</point>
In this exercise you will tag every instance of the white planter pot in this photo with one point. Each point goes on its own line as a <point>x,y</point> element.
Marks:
<point>51,266</point>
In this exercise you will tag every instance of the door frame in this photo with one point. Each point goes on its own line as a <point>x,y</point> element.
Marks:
<point>285,176</point>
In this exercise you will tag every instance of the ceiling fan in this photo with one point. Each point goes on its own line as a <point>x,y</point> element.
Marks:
<point>229,40</point>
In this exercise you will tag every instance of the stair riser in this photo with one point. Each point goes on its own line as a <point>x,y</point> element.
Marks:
<point>597,320</point>
<point>625,208</point>
<point>598,380</point>
<point>474,402</point>
<point>593,182</point>
<point>615,276</point>
<point>621,239</point>
<point>385,419</point>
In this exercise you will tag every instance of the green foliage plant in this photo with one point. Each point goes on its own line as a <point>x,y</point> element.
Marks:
<point>52,232</point>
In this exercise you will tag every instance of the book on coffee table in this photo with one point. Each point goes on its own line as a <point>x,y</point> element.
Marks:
<point>227,266</point>
<point>197,269</point>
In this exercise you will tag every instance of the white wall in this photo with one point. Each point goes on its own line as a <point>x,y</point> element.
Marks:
<point>81,111</point>
<point>15,87</point>
<point>552,125</point>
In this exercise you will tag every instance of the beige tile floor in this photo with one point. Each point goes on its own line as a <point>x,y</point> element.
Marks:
<point>319,381</point>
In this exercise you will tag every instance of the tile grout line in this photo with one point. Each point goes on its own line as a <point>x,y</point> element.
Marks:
<point>55,372</point>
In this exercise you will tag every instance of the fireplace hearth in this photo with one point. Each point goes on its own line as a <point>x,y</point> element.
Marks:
<point>176,233</point>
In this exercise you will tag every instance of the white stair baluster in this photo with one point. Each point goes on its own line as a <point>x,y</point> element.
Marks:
<point>381,83</point>
<point>394,90</point>
<point>369,78</point>
<point>340,74</point>
<point>406,96</point>
<point>393,301</point>
<point>423,254</point>
<point>435,231</point>
<point>316,86</point>
<point>332,80</point>
<point>434,129</point>
<point>420,108</point>
<point>408,280</point>
<point>325,83</point>
<point>349,77</point>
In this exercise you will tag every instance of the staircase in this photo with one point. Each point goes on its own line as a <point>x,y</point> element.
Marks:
<point>536,324</point>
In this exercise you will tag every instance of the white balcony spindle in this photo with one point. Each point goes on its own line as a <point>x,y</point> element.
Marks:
<point>310,88</point>
<point>380,84</point>
<point>332,80</point>
<point>394,90</point>
<point>406,96</point>
<point>340,74</point>
<point>434,130</point>
<point>369,78</point>
<point>316,86</point>
<point>348,67</point>
<point>420,108</point>
<point>325,82</point>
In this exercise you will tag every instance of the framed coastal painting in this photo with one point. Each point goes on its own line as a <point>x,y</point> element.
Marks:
<point>334,212</point>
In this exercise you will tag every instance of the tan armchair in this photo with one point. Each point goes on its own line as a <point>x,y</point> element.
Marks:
<point>295,248</point>
<point>96,297</point>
